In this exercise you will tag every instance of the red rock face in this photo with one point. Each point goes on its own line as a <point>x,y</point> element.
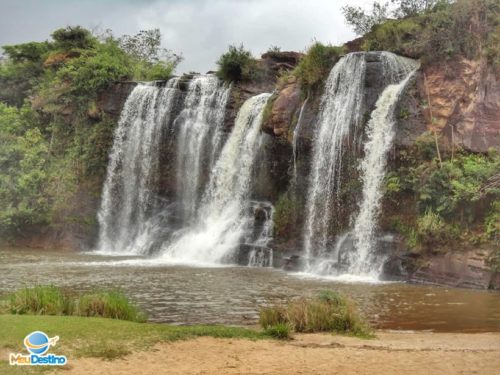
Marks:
<point>283,109</point>
<point>465,100</point>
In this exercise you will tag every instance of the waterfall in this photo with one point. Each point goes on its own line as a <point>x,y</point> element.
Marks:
<point>337,134</point>
<point>380,134</point>
<point>340,111</point>
<point>261,254</point>
<point>198,128</point>
<point>128,214</point>
<point>223,219</point>
<point>295,139</point>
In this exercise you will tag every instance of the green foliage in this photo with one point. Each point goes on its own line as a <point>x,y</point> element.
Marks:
<point>73,37</point>
<point>492,221</point>
<point>437,30</point>
<point>114,305</point>
<point>362,21</point>
<point>316,64</point>
<point>328,312</point>
<point>283,217</point>
<point>41,300</point>
<point>51,300</point>
<point>237,64</point>
<point>431,230</point>
<point>23,165</point>
<point>280,331</point>
<point>392,184</point>
<point>455,186</point>
<point>82,78</point>
<point>32,51</point>
<point>395,36</point>
<point>56,142</point>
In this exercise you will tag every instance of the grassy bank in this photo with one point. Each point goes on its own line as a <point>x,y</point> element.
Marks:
<point>99,337</point>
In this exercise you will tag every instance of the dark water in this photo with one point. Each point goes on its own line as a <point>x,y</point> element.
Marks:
<point>232,295</point>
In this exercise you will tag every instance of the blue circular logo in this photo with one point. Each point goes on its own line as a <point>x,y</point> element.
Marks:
<point>37,343</point>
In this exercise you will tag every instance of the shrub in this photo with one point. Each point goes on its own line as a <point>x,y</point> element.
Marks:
<point>280,331</point>
<point>315,65</point>
<point>492,221</point>
<point>431,229</point>
<point>328,312</point>
<point>114,305</point>
<point>237,64</point>
<point>41,300</point>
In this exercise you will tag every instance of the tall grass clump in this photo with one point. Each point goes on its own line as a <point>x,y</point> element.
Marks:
<point>41,300</point>
<point>51,300</point>
<point>327,312</point>
<point>114,305</point>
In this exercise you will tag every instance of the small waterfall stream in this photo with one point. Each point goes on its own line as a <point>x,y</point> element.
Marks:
<point>380,133</point>
<point>128,217</point>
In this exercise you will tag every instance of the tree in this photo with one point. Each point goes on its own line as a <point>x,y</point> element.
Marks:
<point>73,37</point>
<point>146,45</point>
<point>361,21</point>
<point>409,8</point>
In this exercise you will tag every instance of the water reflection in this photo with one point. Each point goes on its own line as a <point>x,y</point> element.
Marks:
<point>232,295</point>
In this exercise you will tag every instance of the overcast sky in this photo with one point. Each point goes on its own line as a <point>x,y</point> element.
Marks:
<point>200,30</point>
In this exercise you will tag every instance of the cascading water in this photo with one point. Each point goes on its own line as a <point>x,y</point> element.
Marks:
<point>261,254</point>
<point>339,119</point>
<point>380,133</point>
<point>128,215</point>
<point>223,217</point>
<point>198,128</point>
<point>341,106</point>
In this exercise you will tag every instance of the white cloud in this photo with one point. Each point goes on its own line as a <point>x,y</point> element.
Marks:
<point>199,29</point>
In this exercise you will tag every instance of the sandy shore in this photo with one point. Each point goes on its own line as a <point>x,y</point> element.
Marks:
<point>391,353</point>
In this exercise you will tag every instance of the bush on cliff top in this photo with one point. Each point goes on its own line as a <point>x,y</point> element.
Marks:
<point>315,65</point>
<point>237,64</point>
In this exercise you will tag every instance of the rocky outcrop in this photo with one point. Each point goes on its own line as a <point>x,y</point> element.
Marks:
<point>464,270</point>
<point>283,113</point>
<point>111,100</point>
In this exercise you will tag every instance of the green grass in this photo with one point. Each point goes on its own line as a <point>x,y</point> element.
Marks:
<point>112,304</point>
<point>102,338</point>
<point>328,312</point>
<point>280,331</point>
<point>51,300</point>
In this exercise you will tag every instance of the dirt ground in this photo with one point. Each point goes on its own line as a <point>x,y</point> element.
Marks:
<point>390,353</point>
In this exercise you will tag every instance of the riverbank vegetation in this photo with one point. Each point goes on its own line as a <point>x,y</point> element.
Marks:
<point>327,312</point>
<point>51,300</point>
